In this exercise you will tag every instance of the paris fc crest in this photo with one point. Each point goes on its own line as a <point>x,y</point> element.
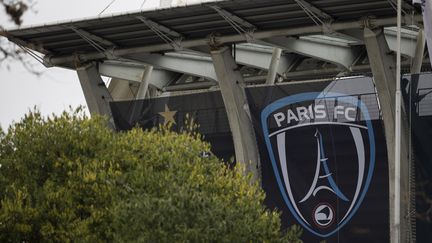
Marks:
<point>322,150</point>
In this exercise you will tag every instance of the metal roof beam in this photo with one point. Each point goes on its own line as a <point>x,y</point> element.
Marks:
<point>134,72</point>
<point>353,34</point>
<point>168,35</point>
<point>233,17</point>
<point>189,86</point>
<point>309,74</point>
<point>196,65</point>
<point>258,57</point>
<point>122,71</point>
<point>162,28</point>
<point>122,89</point>
<point>318,12</point>
<point>340,55</point>
<point>182,63</point>
<point>408,39</point>
<point>251,55</point>
<point>93,37</point>
<point>38,48</point>
<point>292,31</point>
<point>405,5</point>
<point>242,26</point>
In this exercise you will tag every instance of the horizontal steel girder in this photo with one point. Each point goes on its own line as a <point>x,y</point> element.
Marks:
<point>255,56</point>
<point>202,66</point>
<point>134,72</point>
<point>259,57</point>
<point>408,39</point>
<point>199,66</point>
<point>258,35</point>
<point>343,56</point>
<point>408,42</point>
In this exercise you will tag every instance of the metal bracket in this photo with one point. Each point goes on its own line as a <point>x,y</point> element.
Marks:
<point>91,36</point>
<point>213,42</point>
<point>316,11</point>
<point>318,16</point>
<point>368,22</point>
<point>168,35</point>
<point>242,26</point>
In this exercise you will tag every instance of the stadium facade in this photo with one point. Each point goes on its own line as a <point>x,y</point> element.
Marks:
<point>301,92</point>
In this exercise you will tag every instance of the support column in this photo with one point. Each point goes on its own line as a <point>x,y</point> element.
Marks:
<point>232,89</point>
<point>142,90</point>
<point>95,91</point>
<point>419,53</point>
<point>383,69</point>
<point>271,76</point>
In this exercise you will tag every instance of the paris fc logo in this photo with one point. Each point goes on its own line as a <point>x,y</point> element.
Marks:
<point>322,151</point>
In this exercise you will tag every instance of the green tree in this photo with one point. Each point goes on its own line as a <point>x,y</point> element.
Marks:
<point>70,178</point>
<point>56,181</point>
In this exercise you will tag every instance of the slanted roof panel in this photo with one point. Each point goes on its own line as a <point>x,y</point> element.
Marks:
<point>194,21</point>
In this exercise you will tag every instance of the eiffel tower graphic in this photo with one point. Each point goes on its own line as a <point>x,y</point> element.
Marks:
<point>323,179</point>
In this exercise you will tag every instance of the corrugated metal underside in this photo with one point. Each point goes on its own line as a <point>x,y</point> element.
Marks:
<point>192,22</point>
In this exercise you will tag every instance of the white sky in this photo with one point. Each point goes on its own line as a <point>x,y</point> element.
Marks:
<point>56,89</point>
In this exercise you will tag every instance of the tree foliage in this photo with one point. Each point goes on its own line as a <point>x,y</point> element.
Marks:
<point>14,10</point>
<point>70,178</point>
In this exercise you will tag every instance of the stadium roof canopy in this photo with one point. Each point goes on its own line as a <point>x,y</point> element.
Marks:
<point>319,38</point>
<point>228,45</point>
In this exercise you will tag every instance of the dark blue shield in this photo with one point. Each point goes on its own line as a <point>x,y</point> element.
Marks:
<point>322,151</point>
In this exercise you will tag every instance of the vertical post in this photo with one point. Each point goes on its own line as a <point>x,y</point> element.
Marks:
<point>233,94</point>
<point>383,66</point>
<point>142,90</point>
<point>398,105</point>
<point>419,52</point>
<point>274,63</point>
<point>95,91</point>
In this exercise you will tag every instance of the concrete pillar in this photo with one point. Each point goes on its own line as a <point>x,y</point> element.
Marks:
<point>419,52</point>
<point>232,89</point>
<point>272,72</point>
<point>95,91</point>
<point>383,67</point>
<point>142,90</point>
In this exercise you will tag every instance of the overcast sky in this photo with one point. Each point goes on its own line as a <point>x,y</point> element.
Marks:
<point>56,89</point>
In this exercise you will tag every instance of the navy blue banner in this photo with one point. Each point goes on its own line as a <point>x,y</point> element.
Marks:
<point>417,94</point>
<point>323,158</point>
<point>322,150</point>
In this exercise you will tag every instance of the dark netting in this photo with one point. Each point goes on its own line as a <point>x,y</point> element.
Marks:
<point>418,102</point>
